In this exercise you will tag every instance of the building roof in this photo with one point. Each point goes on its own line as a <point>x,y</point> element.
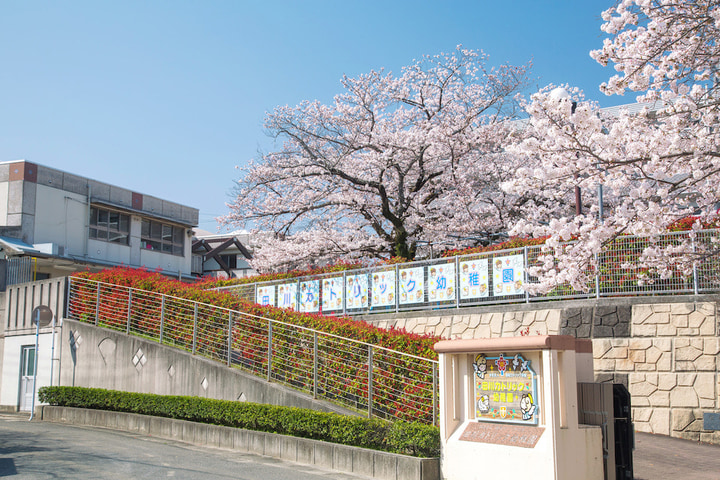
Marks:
<point>99,192</point>
<point>16,246</point>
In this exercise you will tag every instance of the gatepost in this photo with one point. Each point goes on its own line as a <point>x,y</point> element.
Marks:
<point>508,409</point>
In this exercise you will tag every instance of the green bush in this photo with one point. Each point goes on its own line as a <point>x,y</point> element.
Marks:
<point>400,437</point>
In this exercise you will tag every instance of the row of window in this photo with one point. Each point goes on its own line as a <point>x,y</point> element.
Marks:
<point>114,227</point>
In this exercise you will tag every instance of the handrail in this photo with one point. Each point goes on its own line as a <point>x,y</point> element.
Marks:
<point>385,382</point>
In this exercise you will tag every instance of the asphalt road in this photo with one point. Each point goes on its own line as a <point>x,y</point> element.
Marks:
<point>43,450</point>
<point>660,457</point>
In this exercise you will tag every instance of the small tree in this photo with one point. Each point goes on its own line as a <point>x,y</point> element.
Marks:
<point>392,161</point>
<point>658,164</point>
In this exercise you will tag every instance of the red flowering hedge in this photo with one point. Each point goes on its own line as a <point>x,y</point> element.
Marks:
<point>214,282</point>
<point>395,339</point>
<point>515,242</point>
<point>405,390</point>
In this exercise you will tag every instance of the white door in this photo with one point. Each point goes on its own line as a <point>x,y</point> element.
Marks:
<point>27,377</point>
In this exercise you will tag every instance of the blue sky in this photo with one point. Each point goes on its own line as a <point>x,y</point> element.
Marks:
<point>167,97</point>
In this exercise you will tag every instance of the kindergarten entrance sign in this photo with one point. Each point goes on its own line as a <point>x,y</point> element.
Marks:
<point>505,389</point>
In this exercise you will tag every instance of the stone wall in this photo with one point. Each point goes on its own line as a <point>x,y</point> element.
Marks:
<point>666,354</point>
<point>671,362</point>
<point>477,324</point>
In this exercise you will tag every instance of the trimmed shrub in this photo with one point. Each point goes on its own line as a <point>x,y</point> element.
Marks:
<point>400,437</point>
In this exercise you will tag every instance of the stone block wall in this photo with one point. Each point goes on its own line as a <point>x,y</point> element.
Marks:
<point>670,362</point>
<point>477,325</point>
<point>666,354</point>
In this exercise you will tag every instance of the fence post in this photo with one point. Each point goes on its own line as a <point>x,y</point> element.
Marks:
<point>194,346</point>
<point>397,288</point>
<point>269,354</point>
<point>597,276</point>
<point>315,364</point>
<point>68,289</point>
<point>370,380</point>
<point>162,317</point>
<point>695,273</point>
<point>97,305</point>
<point>344,292</point>
<point>525,273</point>
<point>435,392</point>
<point>127,330</point>
<point>230,333</point>
<point>457,282</point>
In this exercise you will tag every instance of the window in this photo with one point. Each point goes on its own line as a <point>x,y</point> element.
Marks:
<point>162,237</point>
<point>230,260</point>
<point>109,226</point>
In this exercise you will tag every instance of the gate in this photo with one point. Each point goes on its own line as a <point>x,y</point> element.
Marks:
<point>608,406</point>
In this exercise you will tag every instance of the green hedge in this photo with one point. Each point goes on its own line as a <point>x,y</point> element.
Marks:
<point>399,437</point>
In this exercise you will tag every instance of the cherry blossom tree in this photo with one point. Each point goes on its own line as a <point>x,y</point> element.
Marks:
<point>393,161</point>
<point>655,165</point>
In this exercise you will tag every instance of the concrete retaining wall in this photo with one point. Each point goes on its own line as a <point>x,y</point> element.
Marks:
<point>341,458</point>
<point>666,352</point>
<point>102,358</point>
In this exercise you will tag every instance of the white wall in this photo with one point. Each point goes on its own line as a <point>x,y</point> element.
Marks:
<point>153,259</point>
<point>61,217</point>
<point>10,375</point>
<point>4,186</point>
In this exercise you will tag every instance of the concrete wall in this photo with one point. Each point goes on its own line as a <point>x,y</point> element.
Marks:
<point>17,330</point>
<point>101,358</point>
<point>666,350</point>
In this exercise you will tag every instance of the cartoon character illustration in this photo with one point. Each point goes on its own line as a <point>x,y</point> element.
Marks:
<point>480,366</point>
<point>525,365</point>
<point>527,406</point>
<point>516,361</point>
<point>483,404</point>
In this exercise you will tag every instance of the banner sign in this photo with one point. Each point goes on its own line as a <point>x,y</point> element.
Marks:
<point>332,294</point>
<point>287,295</point>
<point>356,291</point>
<point>505,389</point>
<point>412,283</point>
<point>383,288</point>
<point>474,279</point>
<point>310,296</point>
<point>265,295</point>
<point>441,282</point>
<point>508,274</point>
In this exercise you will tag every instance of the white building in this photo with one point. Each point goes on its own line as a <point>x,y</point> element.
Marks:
<point>53,223</point>
<point>66,221</point>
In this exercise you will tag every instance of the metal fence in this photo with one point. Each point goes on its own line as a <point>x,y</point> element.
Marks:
<point>382,382</point>
<point>488,278</point>
<point>19,270</point>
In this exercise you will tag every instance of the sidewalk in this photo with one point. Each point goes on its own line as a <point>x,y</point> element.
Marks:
<point>660,457</point>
